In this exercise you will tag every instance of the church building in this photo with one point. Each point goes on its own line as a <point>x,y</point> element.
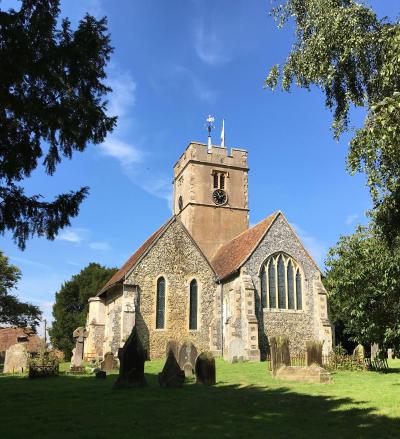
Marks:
<point>207,277</point>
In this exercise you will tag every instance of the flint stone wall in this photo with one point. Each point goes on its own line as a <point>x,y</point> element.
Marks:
<point>298,326</point>
<point>179,261</point>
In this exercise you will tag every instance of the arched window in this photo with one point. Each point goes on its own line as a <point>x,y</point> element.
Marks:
<point>160,311</point>
<point>299,293</point>
<point>281,283</point>
<point>271,285</point>
<point>264,288</point>
<point>290,285</point>
<point>193,305</point>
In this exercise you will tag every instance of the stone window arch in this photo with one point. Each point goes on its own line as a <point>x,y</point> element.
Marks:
<point>160,303</point>
<point>193,304</point>
<point>281,282</point>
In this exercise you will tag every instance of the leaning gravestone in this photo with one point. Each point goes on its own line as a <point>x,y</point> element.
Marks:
<point>16,360</point>
<point>173,346</point>
<point>205,369</point>
<point>109,363</point>
<point>172,375</point>
<point>187,358</point>
<point>79,335</point>
<point>236,350</point>
<point>359,352</point>
<point>131,363</point>
<point>374,351</point>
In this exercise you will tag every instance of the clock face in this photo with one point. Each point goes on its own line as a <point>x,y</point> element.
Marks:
<point>220,197</point>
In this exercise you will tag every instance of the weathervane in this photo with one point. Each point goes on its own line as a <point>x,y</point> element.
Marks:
<point>210,126</point>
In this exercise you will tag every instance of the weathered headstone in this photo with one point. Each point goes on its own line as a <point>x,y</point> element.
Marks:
<point>79,335</point>
<point>305,374</point>
<point>109,363</point>
<point>390,354</point>
<point>280,355</point>
<point>236,350</point>
<point>172,375</point>
<point>359,352</point>
<point>16,360</point>
<point>173,346</point>
<point>187,358</point>
<point>131,363</point>
<point>314,353</point>
<point>205,369</point>
<point>374,351</point>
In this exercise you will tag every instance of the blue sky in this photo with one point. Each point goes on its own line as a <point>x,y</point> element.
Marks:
<point>175,62</point>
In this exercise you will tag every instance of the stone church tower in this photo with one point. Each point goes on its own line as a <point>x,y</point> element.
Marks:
<point>211,194</point>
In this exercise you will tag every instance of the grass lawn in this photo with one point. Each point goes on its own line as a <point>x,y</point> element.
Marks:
<point>245,403</point>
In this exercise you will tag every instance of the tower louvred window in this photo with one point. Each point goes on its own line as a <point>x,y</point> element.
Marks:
<point>281,283</point>
<point>160,312</point>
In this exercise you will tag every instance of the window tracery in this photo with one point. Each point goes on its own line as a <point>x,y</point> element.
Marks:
<point>281,283</point>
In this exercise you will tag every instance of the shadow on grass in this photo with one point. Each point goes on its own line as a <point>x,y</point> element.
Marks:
<point>84,407</point>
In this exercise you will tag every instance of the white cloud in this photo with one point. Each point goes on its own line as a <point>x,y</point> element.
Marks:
<point>24,261</point>
<point>73,235</point>
<point>351,218</point>
<point>100,246</point>
<point>208,46</point>
<point>126,154</point>
<point>317,250</point>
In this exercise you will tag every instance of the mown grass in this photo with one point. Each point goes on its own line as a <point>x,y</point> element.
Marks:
<point>246,402</point>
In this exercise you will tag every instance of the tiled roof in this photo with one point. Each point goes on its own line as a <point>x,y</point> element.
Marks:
<point>130,263</point>
<point>231,256</point>
<point>9,337</point>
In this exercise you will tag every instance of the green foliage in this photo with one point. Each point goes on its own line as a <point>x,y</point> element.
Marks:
<point>363,284</point>
<point>12,311</point>
<point>71,305</point>
<point>51,104</point>
<point>354,59</point>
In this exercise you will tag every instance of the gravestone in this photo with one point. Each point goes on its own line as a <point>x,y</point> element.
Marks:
<point>374,351</point>
<point>187,358</point>
<point>280,354</point>
<point>359,352</point>
<point>172,375</point>
<point>173,346</point>
<point>390,354</point>
<point>16,360</point>
<point>304,374</point>
<point>109,363</point>
<point>236,350</point>
<point>131,363</point>
<point>314,353</point>
<point>205,369</point>
<point>79,335</point>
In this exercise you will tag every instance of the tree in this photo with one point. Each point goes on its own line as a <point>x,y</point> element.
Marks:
<point>343,49</point>
<point>363,284</point>
<point>71,305</point>
<point>51,104</point>
<point>12,311</point>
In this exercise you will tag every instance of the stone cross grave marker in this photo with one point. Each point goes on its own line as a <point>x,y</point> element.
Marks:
<point>187,358</point>
<point>79,335</point>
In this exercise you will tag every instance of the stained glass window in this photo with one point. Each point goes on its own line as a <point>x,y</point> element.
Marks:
<point>271,285</point>
<point>263,288</point>
<point>290,285</point>
<point>299,293</point>
<point>281,284</point>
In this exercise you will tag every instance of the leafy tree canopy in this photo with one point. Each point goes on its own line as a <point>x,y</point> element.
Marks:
<point>12,311</point>
<point>354,58</point>
<point>51,104</point>
<point>363,284</point>
<point>71,305</point>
